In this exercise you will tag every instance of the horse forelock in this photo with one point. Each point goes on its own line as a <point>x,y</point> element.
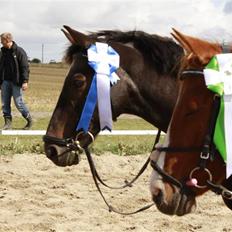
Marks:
<point>71,51</point>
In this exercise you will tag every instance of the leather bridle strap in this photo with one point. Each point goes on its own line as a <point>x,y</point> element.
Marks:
<point>208,148</point>
<point>166,177</point>
<point>56,141</point>
<point>191,72</point>
<point>157,138</point>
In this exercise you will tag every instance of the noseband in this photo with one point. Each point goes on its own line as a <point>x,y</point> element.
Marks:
<point>207,150</point>
<point>72,144</point>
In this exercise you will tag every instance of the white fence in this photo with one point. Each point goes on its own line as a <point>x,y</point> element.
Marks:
<point>114,132</point>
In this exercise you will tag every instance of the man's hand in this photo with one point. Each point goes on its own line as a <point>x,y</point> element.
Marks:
<point>24,86</point>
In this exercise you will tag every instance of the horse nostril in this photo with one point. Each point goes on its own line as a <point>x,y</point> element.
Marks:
<point>158,196</point>
<point>51,151</point>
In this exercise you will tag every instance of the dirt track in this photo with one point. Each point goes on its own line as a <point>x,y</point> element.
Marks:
<point>35,195</point>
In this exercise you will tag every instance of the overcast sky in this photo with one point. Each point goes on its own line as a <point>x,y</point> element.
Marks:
<point>34,23</point>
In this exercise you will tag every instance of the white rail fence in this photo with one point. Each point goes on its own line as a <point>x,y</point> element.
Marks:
<point>114,132</point>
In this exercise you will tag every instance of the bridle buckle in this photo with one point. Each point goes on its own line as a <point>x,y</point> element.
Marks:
<point>74,145</point>
<point>204,155</point>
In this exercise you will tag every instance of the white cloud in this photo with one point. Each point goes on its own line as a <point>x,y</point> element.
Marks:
<point>34,22</point>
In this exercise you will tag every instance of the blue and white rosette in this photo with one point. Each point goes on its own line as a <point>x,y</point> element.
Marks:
<point>105,61</point>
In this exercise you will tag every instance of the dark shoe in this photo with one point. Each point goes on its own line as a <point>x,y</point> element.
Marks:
<point>29,122</point>
<point>8,123</point>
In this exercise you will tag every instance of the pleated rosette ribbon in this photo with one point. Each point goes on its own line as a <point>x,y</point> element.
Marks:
<point>105,61</point>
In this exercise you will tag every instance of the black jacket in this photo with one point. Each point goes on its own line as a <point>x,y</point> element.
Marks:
<point>20,63</point>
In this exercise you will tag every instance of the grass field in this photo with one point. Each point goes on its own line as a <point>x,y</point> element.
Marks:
<point>45,84</point>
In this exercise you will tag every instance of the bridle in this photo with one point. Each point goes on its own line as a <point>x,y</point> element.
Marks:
<point>71,143</point>
<point>207,150</point>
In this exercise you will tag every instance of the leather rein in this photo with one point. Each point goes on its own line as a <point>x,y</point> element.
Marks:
<point>96,178</point>
<point>73,144</point>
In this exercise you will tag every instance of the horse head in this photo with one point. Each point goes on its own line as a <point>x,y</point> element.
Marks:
<point>61,137</point>
<point>148,68</point>
<point>62,142</point>
<point>185,163</point>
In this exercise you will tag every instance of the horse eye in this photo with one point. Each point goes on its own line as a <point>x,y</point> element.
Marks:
<point>79,80</point>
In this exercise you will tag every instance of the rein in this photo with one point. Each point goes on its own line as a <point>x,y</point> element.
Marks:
<point>110,207</point>
<point>128,184</point>
<point>73,144</point>
<point>207,151</point>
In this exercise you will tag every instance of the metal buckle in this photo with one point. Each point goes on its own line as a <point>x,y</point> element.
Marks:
<point>204,156</point>
<point>78,146</point>
<point>69,142</point>
<point>75,145</point>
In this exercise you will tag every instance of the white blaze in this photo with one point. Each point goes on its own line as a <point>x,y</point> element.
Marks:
<point>156,182</point>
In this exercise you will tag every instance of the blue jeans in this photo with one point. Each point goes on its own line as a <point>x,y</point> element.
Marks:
<point>9,90</point>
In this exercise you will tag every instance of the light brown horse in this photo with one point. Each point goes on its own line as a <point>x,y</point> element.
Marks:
<point>182,168</point>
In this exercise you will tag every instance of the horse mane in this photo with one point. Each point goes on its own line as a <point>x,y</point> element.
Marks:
<point>162,53</point>
<point>71,51</point>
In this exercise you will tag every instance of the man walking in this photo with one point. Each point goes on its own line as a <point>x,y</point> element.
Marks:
<point>14,76</point>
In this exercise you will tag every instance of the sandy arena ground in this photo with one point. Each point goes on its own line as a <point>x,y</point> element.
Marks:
<point>35,195</point>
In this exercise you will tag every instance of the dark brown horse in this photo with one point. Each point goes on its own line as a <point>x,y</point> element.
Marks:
<point>147,88</point>
<point>187,165</point>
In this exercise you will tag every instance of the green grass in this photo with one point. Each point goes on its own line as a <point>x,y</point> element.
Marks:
<point>123,145</point>
<point>45,85</point>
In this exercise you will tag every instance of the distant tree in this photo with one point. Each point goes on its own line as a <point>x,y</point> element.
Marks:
<point>36,61</point>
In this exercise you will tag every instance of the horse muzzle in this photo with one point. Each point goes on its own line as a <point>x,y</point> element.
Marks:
<point>62,156</point>
<point>171,200</point>
<point>170,195</point>
<point>66,152</point>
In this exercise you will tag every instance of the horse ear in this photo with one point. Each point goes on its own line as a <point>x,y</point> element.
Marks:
<point>202,49</point>
<point>68,36</point>
<point>76,37</point>
<point>181,38</point>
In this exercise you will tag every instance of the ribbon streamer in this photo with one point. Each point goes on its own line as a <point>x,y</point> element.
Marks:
<point>218,78</point>
<point>89,107</point>
<point>105,61</point>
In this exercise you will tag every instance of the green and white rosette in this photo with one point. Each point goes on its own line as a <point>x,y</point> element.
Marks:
<point>218,78</point>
